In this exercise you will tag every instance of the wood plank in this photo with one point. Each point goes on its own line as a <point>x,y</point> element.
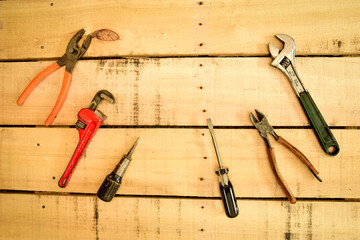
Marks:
<point>176,91</point>
<point>86,217</point>
<point>40,29</point>
<point>178,162</point>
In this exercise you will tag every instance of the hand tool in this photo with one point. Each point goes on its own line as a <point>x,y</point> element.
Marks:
<point>72,54</point>
<point>89,121</point>
<point>112,181</point>
<point>264,128</point>
<point>226,188</point>
<point>285,61</point>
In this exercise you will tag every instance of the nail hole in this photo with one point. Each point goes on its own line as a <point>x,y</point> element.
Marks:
<point>203,134</point>
<point>201,87</point>
<point>202,206</point>
<point>51,4</point>
<point>38,144</point>
<point>201,179</point>
<point>202,229</point>
<point>201,3</point>
<point>200,65</point>
<point>204,110</point>
<point>201,44</point>
<point>42,47</point>
<point>54,177</point>
<point>205,157</point>
<point>43,206</point>
<point>200,24</point>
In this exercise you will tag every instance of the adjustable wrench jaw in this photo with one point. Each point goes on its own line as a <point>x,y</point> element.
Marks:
<point>285,61</point>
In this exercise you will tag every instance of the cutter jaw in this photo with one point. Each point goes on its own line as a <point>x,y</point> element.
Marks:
<point>263,126</point>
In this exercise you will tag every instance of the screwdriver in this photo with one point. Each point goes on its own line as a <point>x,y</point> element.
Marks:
<point>112,181</point>
<point>226,188</point>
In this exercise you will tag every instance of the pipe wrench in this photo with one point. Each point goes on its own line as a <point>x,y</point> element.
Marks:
<point>89,121</point>
<point>285,61</point>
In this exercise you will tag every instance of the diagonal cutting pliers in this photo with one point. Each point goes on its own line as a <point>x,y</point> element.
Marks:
<point>264,128</point>
<point>72,54</point>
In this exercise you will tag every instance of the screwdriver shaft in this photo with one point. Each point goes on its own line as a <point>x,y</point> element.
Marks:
<point>211,129</point>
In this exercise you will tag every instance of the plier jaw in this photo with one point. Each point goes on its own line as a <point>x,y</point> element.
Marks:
<point>73,51</point>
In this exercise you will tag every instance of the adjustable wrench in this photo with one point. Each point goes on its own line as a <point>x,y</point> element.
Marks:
<point>285,61</point>
<point>89,120</point>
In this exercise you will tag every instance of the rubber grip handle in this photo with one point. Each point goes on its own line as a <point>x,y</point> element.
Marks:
<point>32,85</point>
<point>61,99</point>
<point>109,187</point>
<point>279,177</point>
<point>323,133</point>
<point>299,154</point>
<point>229,200</point>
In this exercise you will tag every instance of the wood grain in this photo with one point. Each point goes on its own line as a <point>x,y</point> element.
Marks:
<point>42,29</point>
<point>186,91</point>
<point>86,217</point>
<point>178,162</point>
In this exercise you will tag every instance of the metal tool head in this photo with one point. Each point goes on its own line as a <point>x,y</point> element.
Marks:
<point>131,151</point>
<point>262,125</point>
<point>73,51</point>
<point>99,96</point>
<point>288,50</point>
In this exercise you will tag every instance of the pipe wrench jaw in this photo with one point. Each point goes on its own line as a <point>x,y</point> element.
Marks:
<point>99,97</point>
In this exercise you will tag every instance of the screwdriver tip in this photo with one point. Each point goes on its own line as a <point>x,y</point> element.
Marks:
<point>133,148</point>
<point>209,123</point>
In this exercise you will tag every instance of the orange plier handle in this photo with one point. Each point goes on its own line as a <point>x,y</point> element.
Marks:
<point>63,92</point>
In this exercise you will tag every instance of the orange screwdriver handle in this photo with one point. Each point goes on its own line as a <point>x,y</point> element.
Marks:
<point>41,76</point>
<point>61,99</point>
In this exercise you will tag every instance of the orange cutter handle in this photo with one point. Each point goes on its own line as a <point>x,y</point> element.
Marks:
<point>61,99</point>
<point>41,76</point>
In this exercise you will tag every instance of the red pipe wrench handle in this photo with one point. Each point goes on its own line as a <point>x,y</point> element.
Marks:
<point>88,123</point>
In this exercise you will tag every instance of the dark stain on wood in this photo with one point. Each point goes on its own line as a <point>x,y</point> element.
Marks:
<point>105,35</point>
<point>157,108</point>
<point>288,222</point>
<point>309,211</point>
<point>158,217</point>
<point>96,218</point>
<point>137,220</point>
<point>137,64</point>
<point>337,43</point>
<point>178,230</point>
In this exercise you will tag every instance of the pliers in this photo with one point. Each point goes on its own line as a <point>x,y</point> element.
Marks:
<point>72,54</point>
<point>264,128</point>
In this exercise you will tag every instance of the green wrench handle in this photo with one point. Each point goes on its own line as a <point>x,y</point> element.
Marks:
<point>323,133</point>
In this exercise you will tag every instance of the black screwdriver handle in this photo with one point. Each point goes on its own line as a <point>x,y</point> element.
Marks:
<point>229,200</point>
<point>323,133</point>
<point>109,187</point>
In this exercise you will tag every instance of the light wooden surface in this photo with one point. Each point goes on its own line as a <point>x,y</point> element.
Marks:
<point>159,92</point>
<point>86,217</point>
<point>162,167</point>
<point>171,28</point>
<point>185,61</point>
